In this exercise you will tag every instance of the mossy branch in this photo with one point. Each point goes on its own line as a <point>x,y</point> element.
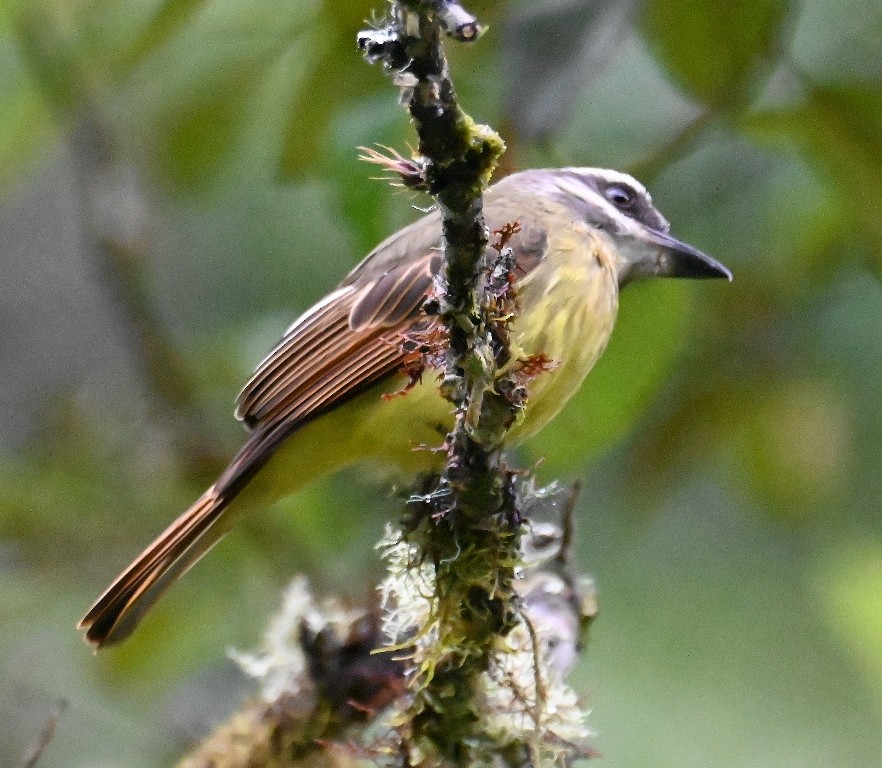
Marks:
<point>468,526</point>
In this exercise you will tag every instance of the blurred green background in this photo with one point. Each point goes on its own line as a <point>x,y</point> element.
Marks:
<point>179,180</point>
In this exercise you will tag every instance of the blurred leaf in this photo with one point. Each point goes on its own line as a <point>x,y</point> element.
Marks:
<point>848,583</point>
<point>206,92</point>
<point>164,23</point>
<point>797,443</point>
<point>51,54</point>
<point>112,36</point>
<point>204,132</point>
<point>702,575</point>
<point>26,123</point>
<point>796,234</point>
<point>852,54</point>
<point>338,76</point>
<point>551,52</point>
<point>649,334</point>
<point>715,50</point>
<point>364,197</point>
<point>617,131</point>
<point>180,80</point>
<point>257,247</point>
<point>840,131</point>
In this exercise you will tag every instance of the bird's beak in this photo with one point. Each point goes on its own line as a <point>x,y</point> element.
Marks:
<point>674,258</point>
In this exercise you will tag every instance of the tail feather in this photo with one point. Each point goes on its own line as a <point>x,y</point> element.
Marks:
<point>118,611</point>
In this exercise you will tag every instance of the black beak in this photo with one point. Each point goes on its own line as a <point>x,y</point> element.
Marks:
<point>678,259</point>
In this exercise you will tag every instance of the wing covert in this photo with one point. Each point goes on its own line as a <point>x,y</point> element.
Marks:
<point>351,339</point>
<point>344,344</point>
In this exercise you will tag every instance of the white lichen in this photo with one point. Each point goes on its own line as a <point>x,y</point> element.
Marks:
<point>523,697</point>
<point>280,664</point>
<point>406,594</point>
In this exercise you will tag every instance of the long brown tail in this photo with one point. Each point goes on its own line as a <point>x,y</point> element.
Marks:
<point>118,611</point>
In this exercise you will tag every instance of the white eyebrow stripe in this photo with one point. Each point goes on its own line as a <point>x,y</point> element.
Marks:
<point>611,176</point>
<point>580,191</point>
<point>583,192</point>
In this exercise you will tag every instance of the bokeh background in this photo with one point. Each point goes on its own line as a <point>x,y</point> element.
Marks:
<point>179,179</point>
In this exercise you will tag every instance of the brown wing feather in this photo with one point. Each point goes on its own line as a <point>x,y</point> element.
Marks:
<point>302,343</point>
<point>334,349</point>
<point>396,296</point>
<point>319,366</point>
<point>117,612</point>
<point>302,363</point>
<point>351,338</point>
<point>358,366</point>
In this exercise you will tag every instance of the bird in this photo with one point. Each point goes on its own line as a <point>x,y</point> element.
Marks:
<point>316,402</point>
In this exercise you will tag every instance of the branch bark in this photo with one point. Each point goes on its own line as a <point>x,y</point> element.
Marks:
<point>469,527</point>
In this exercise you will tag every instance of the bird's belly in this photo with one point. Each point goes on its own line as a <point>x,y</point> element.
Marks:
<point>569,327</point>
<point>399,431</point>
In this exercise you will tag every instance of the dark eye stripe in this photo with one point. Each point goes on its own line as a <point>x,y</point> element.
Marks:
<point>635,205</point>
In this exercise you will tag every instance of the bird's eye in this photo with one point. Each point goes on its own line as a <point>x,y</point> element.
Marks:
<point>621,197</point>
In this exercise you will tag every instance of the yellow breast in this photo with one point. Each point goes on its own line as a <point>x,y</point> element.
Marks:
<point>569,305</point>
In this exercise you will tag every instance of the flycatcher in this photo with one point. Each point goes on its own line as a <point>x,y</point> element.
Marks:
<point>315,402</point>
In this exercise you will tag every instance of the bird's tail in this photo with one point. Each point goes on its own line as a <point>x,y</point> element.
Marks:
<point>118,611</point>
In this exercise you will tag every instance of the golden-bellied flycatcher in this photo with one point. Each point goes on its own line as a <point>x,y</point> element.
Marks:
<point>314,404</point>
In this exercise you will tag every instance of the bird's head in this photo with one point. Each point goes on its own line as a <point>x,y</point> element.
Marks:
<point>620,209</point>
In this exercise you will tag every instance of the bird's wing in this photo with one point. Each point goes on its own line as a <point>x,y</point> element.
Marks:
<point>349,340</point>
<point>344,344</point>
<point>353,337</point>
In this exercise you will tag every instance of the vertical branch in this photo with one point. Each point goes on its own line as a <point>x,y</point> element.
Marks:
<point>469,526</point>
